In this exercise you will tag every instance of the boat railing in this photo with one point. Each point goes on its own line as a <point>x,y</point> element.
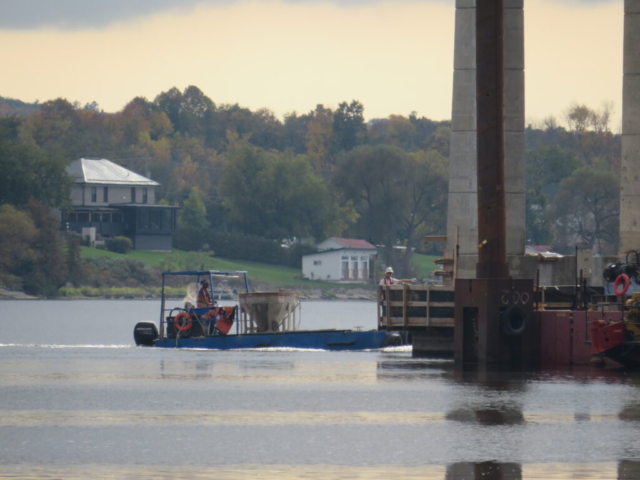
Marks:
<point>405,306</point>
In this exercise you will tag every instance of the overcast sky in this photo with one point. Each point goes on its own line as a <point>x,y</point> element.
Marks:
<point>395,56</point>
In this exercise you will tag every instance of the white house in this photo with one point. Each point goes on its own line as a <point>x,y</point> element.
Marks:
<point>340,260</point>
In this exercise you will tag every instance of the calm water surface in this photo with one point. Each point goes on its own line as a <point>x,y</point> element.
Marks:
<point>78,400</point>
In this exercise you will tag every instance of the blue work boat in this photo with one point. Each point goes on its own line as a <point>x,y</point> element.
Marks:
<point>259,320</point>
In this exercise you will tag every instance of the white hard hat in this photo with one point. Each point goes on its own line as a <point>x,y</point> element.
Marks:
<point>389,270</point>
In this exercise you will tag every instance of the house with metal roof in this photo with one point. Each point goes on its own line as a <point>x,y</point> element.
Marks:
<point>346,260</point>
<point>109,200</point>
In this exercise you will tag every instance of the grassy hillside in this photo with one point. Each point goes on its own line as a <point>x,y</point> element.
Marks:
<point>258,272</point>
<point>425,264</point>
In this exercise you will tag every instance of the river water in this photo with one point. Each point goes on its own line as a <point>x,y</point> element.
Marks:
<point>78,400</point>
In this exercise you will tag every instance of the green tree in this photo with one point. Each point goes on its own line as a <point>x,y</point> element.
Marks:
<point>31,172</point>
<point>587,209</point>
<point>49,271</point>
<point>546,167</point>
<point>396,195</point>
<point>74,262</point>
<point>349,128</point>
<point>190,111</point>
<point>374,178</point>
<point>193,225</point>
<point>274,195</point>
<point>426,201</point>
<point>17,233</point>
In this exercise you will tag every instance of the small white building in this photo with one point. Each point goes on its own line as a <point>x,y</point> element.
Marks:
<point>340,260</point>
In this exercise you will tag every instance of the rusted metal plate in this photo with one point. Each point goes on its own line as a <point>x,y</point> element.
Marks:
<point>563,346</point>
<point>581,346</point>
<point>492,252</point>
<point>547,338</point>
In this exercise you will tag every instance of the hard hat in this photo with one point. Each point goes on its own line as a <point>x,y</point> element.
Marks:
<point>389,270</point>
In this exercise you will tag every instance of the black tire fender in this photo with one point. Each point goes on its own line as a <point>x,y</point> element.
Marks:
<point>514,321</point>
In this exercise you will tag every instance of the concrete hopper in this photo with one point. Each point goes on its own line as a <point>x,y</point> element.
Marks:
<point>268,311</point>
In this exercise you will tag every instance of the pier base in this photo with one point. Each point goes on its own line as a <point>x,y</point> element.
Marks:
<point>433,342</point>
<point>494,322</point>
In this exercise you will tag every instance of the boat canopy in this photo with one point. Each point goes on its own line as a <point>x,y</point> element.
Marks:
<point>207,272</point>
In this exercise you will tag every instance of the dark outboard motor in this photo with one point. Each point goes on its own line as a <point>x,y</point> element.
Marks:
<point>145,333</point>
<point>614,270</point>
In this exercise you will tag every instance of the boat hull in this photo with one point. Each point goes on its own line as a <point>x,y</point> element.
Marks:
<point>625,353</point>
<point>322,339</point>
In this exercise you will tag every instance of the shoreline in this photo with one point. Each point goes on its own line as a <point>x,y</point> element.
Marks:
<point>316,294</point>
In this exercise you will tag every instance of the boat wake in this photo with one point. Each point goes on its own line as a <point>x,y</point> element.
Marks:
<point>31,345</point>
<point>398,349</point>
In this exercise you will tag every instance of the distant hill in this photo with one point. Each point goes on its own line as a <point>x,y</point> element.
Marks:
<point>12,106</point>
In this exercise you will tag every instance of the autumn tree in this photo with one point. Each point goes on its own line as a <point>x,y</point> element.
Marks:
<point>319,139</point>
<point>395,130</point>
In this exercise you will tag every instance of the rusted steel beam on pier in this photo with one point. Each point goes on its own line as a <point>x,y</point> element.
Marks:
<point>492,256</point>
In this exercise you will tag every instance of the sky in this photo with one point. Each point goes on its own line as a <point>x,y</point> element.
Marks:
<point>394,56</point>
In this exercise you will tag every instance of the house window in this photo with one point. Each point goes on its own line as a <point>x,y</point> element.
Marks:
<point>364,268</point>
<point>133,194</point>
<point>317,262</point>
<point>143,219</point>
<point>144,195</point>
<point>72,217</point>
<point>155,219</point>
<point>105,194</point>
<point>94,194</point>
<point>116,217</point>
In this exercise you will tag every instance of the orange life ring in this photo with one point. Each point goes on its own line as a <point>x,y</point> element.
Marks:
<point>622,278</point>
<point>178,322</point>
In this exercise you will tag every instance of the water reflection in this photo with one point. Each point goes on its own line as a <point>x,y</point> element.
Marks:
<point>628,470</point>
<point>630,412</point>
<point>484,471</point>
<point>409,369</point>
<point>492,377</point>
<point>489,415</point>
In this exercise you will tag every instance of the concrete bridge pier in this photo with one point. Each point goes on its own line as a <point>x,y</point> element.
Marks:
<point>463,207</point>
<point>630,162</point>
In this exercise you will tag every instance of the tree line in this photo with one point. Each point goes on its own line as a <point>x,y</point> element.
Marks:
<point>246,177</point>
